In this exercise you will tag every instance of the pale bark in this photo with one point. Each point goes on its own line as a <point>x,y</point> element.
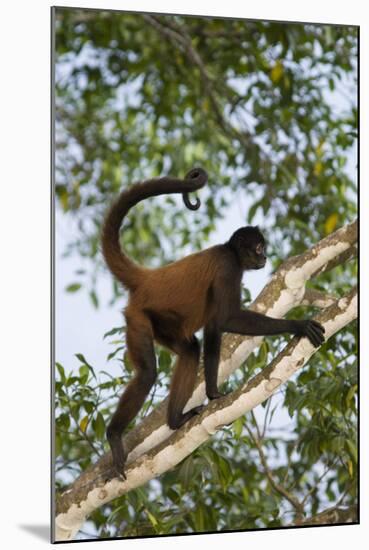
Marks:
<point>154,448</point>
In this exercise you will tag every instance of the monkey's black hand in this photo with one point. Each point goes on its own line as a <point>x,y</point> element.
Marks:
<point>312,330</point>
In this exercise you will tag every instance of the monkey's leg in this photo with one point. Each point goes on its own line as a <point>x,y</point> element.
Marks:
<point>212,342</point>
<point>212,339</point>
<point>183,383</point>
<point>141,353</point>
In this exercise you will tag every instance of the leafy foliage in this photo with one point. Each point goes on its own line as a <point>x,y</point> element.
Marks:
<point>269,110</point>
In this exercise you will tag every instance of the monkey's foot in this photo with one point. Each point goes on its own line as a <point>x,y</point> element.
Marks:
<point>118,469</point>
<point>197,410</point>
<point>216,395</point>
<point>177,422</point>
<point>114,473</point>
<point>119,456</point>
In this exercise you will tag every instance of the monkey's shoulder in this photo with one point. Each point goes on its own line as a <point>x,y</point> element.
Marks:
<point>219,256</point>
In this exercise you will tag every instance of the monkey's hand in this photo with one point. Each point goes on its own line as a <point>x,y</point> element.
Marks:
<point>312,330</point>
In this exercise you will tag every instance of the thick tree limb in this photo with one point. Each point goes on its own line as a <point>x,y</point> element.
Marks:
<point>165,448</point>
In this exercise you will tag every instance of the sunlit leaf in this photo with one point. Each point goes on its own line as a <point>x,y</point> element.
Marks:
<point>277,72</point>
<point>83,424</point>
<point>331,223</point>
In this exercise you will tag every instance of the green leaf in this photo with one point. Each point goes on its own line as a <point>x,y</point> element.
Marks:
<point>114,353</point>
<point>63,421</point>
<point>152,518</point>
<point>58,444</point>
<point>277,72</point>
<point>83,360</point>
<point>74,287</point>
<point>352,449</point>
<point>61,372</point>
<point>351,394</point>
<point>165,359</point>
<point>186,471</point>
<point>113,331</point>
<point>84,371</point>
<point>94,299</point>
<point>99,426</point>
<point>331,223</point>
<point>89,406</point>
<point>237,427</point>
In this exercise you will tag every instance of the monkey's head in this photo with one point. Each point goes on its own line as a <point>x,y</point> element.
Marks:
<point>249,245</point>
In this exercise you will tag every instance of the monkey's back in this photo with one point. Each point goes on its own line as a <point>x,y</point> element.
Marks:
<point>178,296</point>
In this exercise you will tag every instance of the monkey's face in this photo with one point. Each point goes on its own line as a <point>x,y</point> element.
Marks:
<point>249,244</point>
<point>254,257</point>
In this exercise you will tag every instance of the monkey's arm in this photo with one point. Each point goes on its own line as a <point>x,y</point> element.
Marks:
<point>230,317</point>
<point>255,324</point>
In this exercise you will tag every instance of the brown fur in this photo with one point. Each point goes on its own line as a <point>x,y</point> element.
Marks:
<point>180,287</point>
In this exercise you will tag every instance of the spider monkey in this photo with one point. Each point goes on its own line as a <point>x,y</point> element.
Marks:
<point>171,303</point>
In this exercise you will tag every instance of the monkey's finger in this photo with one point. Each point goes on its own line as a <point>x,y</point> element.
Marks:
<point>198,410</point>
<point>319,338</point>
<point>115,473</point>
<point>319,331</point>
<point>312,337</point>
<point>318,326</point>
<point>315,337</point>
<point>313,340</point>
<point>315,327</point>
<point>120,474</point>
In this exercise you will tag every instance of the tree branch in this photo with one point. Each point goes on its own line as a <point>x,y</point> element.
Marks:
<point>277,487</point>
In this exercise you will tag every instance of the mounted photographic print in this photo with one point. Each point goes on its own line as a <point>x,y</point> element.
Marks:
<point>205,176</point>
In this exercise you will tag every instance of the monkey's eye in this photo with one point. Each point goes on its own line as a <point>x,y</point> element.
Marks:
<point>259,248</point>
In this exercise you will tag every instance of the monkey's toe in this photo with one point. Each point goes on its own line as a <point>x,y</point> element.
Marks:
<point>217,395</point>
<point>198,410</point>
<point>114,473</point>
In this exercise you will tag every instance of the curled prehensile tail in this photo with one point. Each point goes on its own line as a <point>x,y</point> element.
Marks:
<point>122,267</point>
